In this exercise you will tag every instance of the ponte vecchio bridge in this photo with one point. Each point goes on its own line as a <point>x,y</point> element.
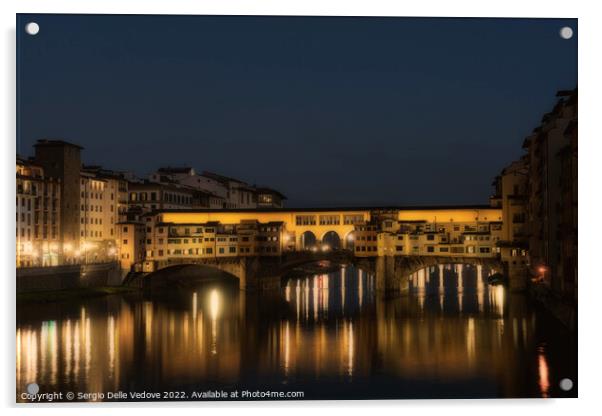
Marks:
<point>439,234</point>
<point>331,224</point>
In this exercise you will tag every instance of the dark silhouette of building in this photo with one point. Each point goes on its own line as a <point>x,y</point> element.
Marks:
<point>552,205</point>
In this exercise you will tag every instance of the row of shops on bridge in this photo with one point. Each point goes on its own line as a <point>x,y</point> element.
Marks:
<point>162,237</point>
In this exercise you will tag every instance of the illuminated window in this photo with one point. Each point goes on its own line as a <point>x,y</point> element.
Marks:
<point>329,220</point>
<point>305,220</point>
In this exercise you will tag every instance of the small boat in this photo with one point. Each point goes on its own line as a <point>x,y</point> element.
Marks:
<point>496,279</point>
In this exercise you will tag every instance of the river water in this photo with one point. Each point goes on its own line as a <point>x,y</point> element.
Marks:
<point>323,337</point>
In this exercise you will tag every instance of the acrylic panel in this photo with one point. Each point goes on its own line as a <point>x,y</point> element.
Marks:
<point>295,208</point>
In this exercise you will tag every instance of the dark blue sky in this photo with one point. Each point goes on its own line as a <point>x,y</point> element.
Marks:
<point>330,111</point>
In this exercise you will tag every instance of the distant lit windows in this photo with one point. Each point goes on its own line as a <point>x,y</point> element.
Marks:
<point>305,220</point>
<point>330,219</point>
<point>352,219</point>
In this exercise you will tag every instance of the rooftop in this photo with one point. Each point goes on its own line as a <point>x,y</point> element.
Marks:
<point>169,169</point>
<point>221,178</point>
<point>328,209</point>
<point>266,190</point>
<point>55,142</point>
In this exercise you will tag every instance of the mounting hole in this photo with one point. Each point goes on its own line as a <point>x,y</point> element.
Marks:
<point>566,32</point>
<point>32,28</point>
<point>566,384</point>
<point>33,388</point>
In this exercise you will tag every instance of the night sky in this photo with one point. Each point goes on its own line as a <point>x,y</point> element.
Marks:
<point>330,111</point>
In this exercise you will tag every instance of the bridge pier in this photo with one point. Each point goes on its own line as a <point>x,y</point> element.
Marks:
<point>389,278</point>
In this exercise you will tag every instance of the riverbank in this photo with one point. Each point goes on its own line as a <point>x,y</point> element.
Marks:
<point>71,294</point>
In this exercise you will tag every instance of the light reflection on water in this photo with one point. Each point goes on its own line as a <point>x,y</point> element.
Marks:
<point>453,335</point>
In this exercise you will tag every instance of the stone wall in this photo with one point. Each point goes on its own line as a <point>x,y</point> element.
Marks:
<point>36,279</point>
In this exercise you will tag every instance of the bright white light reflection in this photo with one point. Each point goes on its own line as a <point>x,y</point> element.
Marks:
<point>214,309</point>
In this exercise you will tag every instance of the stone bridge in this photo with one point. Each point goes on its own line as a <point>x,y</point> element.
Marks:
<point>251,273</point>
<point>392,272</point>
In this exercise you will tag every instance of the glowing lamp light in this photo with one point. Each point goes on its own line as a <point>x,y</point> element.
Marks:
<point>542,269</point>
<point>325,247</point>
<point>87,245</point>
<point>112,251</point>
<point>314,249</point>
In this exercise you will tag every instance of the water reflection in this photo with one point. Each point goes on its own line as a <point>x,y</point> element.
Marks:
<point>453,335</point>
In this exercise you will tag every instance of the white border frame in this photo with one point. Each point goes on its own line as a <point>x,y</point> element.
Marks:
<point>590,68</point>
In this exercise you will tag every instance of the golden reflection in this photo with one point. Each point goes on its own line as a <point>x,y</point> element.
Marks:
<point>43,341</point>
<point>287,348</point>
<point>360,292</point>
<point>214,307</point>
<point>350,349</point>
<point>185,328</point>
<point>111,339</point>
<point>497,298</point>
<point>27,355</point>
<point>194,306</point>
<point>297,298</point>
<point>315,297</point>
<point>325,293</point>
<point>542,367</point>
<point>68,346</point>
<point>342,289</point>
<point>87,343</point>
<point>76,348</point>
<point>18,358</point>
<point>99,351</point>
<point>480,288</point>
<point>470,340</point>
<point>306,296</point>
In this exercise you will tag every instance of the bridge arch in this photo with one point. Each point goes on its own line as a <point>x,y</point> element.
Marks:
<point>349,241</point>
<point>184,274</point>
<point>307,240</point>
<point>331,241</point>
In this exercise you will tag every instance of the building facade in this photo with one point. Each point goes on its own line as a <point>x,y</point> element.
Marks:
<point>131,245</point>
<point>221,192</point>
<point>212,194</point>
<point>37,216</point>
<point>62,161</point>
<point>552,205</point>
<point>101,208</point>
<point>511,195</point>
<point>147,196</point>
